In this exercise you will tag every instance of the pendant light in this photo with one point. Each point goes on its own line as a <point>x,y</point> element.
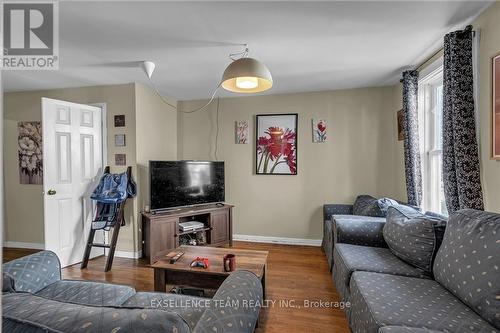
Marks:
<point>246,75</point>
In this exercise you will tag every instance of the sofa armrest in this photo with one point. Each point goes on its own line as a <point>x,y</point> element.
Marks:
<point>367,232</point>
<point>332,209</point>
<point>235,306</point>
<point>34,272</point>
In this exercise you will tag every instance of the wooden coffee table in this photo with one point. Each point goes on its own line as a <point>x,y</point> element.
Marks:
<point>181,273</point>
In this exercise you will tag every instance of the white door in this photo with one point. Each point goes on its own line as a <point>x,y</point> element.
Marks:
<point>72,165</point>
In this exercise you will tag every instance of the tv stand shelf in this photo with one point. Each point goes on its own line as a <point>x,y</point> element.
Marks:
<point>182,233</point>
<point>160,230</point>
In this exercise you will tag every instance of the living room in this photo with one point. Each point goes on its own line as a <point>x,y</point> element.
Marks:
<point>300,150</point>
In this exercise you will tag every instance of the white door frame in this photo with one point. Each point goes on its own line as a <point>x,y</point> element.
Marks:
<point>104,122</point>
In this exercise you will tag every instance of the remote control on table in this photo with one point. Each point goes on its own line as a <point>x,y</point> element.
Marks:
<point>176,257</point>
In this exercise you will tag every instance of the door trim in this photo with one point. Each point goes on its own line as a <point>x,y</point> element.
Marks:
<point>104,131</point>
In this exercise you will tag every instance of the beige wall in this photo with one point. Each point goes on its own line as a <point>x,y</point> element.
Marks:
<point>156,133</point>
<point>399,167</point>
<point>489,24</point>
<point>150,134</point>
<point>26,225</point>
<point>359,156</point>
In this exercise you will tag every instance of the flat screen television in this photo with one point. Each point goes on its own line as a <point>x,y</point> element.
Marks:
<point>176,184</point>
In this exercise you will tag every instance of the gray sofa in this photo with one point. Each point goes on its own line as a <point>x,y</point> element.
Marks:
<point>387,295</point>
<point>36,299</point>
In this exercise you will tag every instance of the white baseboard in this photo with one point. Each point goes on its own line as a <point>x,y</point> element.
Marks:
<point>127,254</point>
<point>277,240</point>
<point>24,245</point>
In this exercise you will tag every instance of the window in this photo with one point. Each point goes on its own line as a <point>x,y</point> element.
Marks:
<point>431,134</point>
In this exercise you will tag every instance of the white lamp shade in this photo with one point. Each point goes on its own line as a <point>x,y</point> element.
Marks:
<point>247,75</point>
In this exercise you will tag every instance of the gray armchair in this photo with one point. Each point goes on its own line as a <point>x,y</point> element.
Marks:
<point>340,226</point>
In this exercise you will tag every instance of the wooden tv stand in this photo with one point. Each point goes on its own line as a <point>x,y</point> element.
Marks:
<point>160,231</point>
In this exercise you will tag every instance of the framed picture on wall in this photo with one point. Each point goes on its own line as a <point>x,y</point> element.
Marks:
<point>29,151</point>
<point>120,159</point>
<point>276,145</point>
<point>496,109</point>
<point>401,132</point>
<point>120,120</point>
<point>120,140</point>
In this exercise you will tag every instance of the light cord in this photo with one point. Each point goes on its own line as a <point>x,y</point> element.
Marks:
<point>175,106</point>
<point>217,129</point>
<point>242,54</point>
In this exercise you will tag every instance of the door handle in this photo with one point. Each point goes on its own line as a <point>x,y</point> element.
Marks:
<point>51,192</point>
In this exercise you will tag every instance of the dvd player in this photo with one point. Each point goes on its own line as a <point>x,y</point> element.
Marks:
<point>190,226</point>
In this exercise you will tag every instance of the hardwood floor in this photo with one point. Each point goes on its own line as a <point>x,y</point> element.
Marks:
<point>298,273</point>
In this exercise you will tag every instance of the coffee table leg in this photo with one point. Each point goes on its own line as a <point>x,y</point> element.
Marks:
<point>160,280</point>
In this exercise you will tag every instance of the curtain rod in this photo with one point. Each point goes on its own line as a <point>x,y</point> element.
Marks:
<point>428,58</point>
<point>469,27</point>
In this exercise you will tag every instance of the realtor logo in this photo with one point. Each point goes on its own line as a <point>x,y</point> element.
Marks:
<point>30,35</point>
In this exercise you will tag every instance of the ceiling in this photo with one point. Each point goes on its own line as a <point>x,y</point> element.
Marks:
<point>308,46</point>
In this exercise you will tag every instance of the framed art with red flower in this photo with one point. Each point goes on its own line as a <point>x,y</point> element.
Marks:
<point>319,130</point>
<point>276,146</point>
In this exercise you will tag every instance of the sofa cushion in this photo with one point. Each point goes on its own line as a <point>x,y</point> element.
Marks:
<point>379,300</point>
<point>351,258</point>
<point>413,236</point>
<point>24,312</point>
<point>87,293</point>
<point>188,307</point>
<point>359,230</point>
<point>468,262</point>
<point>328,242</point>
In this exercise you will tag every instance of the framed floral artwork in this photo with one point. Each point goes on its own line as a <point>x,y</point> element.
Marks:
<point>496,109</point>
<point>241,132</point>
<point>276,146</point>
<point>319,130</point>
<point>29,148</point>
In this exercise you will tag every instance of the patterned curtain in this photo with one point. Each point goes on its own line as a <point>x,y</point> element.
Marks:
<point>411,143</point>
<point>461,178</point>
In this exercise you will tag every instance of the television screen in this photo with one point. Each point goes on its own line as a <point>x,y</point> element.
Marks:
<point>185,183</point>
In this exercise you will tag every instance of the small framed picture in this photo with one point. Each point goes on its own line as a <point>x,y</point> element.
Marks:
<point>120,120</point>
<point>495,130</point>
<point>401,132</point>
<point>120,140</point>
<point>241,132</point>
<point>120,159</point>
<point>319,130</point>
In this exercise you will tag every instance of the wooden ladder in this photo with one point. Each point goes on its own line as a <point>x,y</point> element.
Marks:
<point>120,221</point>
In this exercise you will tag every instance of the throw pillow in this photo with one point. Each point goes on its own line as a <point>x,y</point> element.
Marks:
<point>367,205</point>
<point>385,203</point>
<point>468,262</point>
<point>413,236</point>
